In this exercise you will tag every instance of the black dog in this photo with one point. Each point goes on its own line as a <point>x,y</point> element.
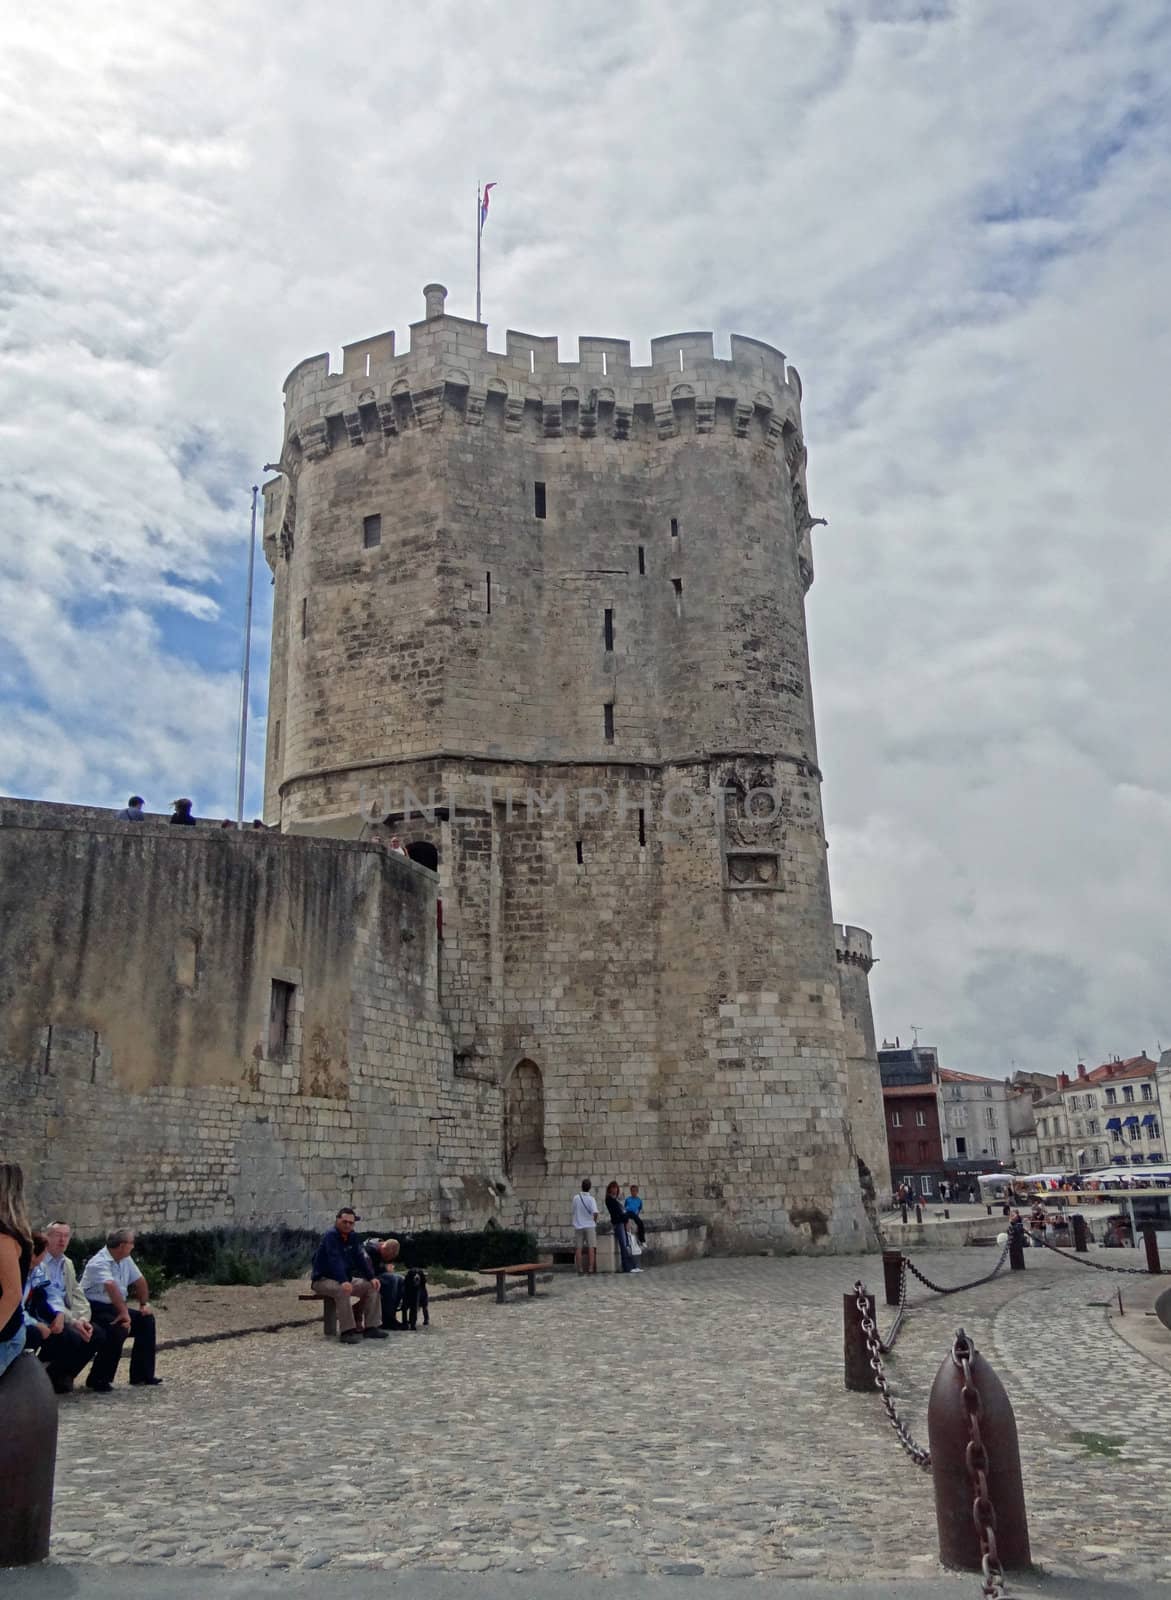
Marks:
<point>414,1299</point>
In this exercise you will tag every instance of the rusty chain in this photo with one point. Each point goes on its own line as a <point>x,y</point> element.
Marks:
<point>955,1288</point>
<point>921,1457</point>
<point>887,1345</point>
<point>1101,1266</point>
<point>976,1457</point>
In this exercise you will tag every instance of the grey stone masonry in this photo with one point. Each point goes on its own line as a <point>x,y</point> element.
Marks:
<point>546,620</point>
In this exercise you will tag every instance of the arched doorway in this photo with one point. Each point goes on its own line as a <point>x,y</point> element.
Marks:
<point>425,853</point>
<point>524,1123</point>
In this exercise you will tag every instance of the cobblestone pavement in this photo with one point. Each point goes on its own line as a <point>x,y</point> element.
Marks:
<point>688,1420</point>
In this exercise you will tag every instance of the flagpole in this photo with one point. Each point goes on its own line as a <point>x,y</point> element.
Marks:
<point>479,233</point>
<point>242,752</point>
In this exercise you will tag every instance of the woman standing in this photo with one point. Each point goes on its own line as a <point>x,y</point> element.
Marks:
<point>618,1218</point>
<point>16,1254</point>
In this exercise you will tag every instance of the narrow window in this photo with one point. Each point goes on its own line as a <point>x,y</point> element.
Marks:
<point>641,562</point>
<point>642,828</point>
<point>674,527</point>
<point>371,531</point>
<point>367,363</point>
<point>280,1016</point>
<point>677,585</point>
<point>532,361</point>
<point>304,617</point>
<point>608,628</point>
<point>539,501</point>
<point>579,854</point>
<point>608,721</point>
<point>681,366</point>
<point>276,740</point>
<point>603,363</point>
<point>488,591</point>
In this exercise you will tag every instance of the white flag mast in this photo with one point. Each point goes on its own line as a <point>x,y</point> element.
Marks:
<point>482,197</point>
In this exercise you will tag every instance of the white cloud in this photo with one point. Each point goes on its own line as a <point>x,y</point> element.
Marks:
<point>951,215</point>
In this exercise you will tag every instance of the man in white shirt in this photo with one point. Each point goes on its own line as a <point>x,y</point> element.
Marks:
<point>585,1229</point>
<point>109,1277</point>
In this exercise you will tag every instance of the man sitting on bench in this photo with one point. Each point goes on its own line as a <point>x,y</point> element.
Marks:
<point>340,1270</point>
<point>381,1254</point>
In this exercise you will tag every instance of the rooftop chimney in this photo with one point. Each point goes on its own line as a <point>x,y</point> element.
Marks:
<point>1081,1069</point>
<point>434,294</point>
<point>1063,1079</point>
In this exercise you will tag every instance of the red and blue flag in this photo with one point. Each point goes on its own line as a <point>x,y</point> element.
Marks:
<point>488,187</point>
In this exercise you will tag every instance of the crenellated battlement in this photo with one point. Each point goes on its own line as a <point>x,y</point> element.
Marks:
<point>448,371</point>
<point>853,946</point>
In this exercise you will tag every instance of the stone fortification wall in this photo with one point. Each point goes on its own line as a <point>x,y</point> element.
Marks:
<point>498,572</point>
<point>151,1073</point>
<point>855,958</point>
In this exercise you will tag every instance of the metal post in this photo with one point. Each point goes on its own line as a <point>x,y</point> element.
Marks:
<point>969,1433</point>
<point>892,1273</point>
<point>859,1373</point>
<point>903,1209</point>
<point>28,1455</point>
<point>1152,1246</point>
<point>242,754</point>
<point>1079,1233</point>
<point>918,1212</point>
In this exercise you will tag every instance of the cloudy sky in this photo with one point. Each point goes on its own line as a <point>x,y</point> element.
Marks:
<point>953,215</point>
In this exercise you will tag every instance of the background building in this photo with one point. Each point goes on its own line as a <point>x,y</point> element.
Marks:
<point>1113,1114</point>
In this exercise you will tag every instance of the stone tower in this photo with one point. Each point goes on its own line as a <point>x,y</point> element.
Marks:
<point>546,620</point>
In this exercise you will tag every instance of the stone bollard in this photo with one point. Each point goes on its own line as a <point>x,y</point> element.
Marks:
<point>892,1274</point>
<point>1152,1248</point>
<point>994,1449</point>
<point>1016,1252</point>
<point>859,1372</point>
<point>28,1455</point>
<point>1079,1233</point>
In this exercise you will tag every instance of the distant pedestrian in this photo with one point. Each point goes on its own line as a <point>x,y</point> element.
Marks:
<point>618,1219</point>
<point>972,1195</point>
<point>944,1191</point>
<point>135,810</point>
<point>585,1229</point>
<point>397,846</point>
<point>182,814</point>
<point>634,1212</point>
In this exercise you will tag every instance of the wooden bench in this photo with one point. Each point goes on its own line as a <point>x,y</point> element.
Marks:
<point>329,1319</point>
<point>528,1270</point>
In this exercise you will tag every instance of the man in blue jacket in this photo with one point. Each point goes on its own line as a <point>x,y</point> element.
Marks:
<point>341,1271</point>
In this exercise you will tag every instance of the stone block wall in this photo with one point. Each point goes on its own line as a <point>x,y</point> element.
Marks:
<point>144,1077</point>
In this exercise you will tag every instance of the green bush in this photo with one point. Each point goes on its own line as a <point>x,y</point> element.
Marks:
<point>268,1255</point>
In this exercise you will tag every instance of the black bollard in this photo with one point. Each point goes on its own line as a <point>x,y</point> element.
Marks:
<point>949,1436</point>
<point>892,1273</point>
<point>1152,1248</point>
<point>859,1372</point>
<point>989,1210</point>
<point>28,1455</point>
<point>1016,1252</point>
<point>1079,1233</point>
<point>918,1213</point>
<point>903,1209</point>
<point>946,1214</point>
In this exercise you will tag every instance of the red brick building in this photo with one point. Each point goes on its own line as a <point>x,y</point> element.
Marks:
<point>912,1136</point>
